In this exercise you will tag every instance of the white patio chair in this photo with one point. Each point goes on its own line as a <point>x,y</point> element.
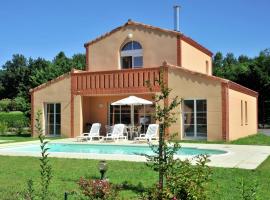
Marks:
<point>93,133</point>
<point>117,133</point>
<point>151,133</point>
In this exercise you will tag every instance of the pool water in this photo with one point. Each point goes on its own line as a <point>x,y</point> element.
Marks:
<point>108,149</point>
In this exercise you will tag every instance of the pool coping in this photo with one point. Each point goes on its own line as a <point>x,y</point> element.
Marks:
<point>237,156</point>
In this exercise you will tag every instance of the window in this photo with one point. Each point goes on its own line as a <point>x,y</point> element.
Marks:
<point>241,113</point>
<point>53,119</point>
<point>246,113</point>
<point>195,118</point>
<point>131,55</point>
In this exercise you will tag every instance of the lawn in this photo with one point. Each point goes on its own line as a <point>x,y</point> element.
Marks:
<point>258,139</point>
<point>15,138</point>
<point>15,171</point>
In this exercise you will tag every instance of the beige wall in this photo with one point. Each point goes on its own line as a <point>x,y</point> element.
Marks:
<point>58,92</point>
<point>238,129</point>
<point>189,86</point>
<point>157,47</point>
<point>194,59</point>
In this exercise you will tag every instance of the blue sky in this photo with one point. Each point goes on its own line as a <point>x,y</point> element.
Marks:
<point>43,28</point>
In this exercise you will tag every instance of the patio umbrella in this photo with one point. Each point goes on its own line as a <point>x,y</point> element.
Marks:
<point>132,101</point>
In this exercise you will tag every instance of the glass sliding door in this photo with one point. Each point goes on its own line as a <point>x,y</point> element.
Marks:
<point>195,118</point>
<point>53,119</point>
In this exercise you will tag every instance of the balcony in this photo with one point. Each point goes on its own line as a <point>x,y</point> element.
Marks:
<point>126,81</point>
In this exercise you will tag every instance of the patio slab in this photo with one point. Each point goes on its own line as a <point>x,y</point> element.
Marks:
<point>237,156</point>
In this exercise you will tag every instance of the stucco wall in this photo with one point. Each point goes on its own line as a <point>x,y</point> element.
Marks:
<point>157,47</point>
<point>190,86</point>
<point>194,59</point>
<point>58,92</point>
<point>237,129</point>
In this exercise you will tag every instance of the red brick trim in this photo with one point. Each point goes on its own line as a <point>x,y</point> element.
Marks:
<point>242,89</point>
<point>179,51</point>
<point>225,111</point>
<point>196,45</point>
<point>32,114</point>
<point>86,58</point>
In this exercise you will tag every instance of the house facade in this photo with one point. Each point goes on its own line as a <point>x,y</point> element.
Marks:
<point>119,63</point>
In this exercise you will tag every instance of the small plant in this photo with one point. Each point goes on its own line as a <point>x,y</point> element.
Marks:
<point>95,189</point>
<point>248,191</point>
<point>45,167</point>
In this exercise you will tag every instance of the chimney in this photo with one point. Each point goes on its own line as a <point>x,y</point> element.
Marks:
<point>176,18</point>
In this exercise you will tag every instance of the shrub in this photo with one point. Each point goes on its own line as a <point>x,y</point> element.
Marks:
<point>14,119</point>
<point>97,189</point>
<point>3,128</point>
<point>5,105</point>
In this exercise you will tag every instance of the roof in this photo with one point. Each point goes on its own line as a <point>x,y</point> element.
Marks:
<point>230,84</point>
<point>130,22</point>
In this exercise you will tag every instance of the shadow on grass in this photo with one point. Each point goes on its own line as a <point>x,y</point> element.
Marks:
<point>139,188</point>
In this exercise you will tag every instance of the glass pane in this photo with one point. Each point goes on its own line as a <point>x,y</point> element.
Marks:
<point>188,105</point>
<point>136,45</point>
<point>202,130</point>
<point>201,106</point>
<point>126,62</point>
<point>189,130</point>
<point>125,119</point>
<point>50,108</point>
<point>127,46</point>
<point>58,118</point>
<point>51,129</point>
<point>189,118</point>
<point>51,118</point>
<point>57,129</point>
<point>58,108</point>
<point>201,118</point>
<point>138,61</point>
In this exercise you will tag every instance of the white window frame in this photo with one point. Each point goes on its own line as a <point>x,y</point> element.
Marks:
<point>54,122</point>
<point>132,53</point>
<point>195,120</point>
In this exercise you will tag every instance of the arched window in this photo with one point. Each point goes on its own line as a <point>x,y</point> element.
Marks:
<point>131,55</point>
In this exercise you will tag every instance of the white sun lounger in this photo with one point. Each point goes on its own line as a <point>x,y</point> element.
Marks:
<point>117,133</point>
<point>151,133</point>
<point>94,133</point>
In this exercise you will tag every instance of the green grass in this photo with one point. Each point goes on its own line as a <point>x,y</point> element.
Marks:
<point>257,139</point>
<point>15,138</point>
<point>15,171</point>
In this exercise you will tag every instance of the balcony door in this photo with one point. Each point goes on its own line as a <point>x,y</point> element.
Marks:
<point>195,118</point>
<point>53,119</point>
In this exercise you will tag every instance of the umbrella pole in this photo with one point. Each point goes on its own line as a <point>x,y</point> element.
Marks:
<point>132,115</point>
<point>144,118</point>
<point>120,115</point>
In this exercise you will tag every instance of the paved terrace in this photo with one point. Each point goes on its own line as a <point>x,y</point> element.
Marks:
<point>237,156</point>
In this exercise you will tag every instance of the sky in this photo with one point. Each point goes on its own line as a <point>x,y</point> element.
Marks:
<point>44,28</point>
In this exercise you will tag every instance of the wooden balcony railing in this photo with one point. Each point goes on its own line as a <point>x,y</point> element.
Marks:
<point>115,82</point>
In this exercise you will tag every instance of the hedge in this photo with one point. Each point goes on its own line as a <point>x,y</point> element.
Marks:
<point>14,119</point>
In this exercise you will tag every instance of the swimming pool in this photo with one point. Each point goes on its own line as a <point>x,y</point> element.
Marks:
<point>107,149</point>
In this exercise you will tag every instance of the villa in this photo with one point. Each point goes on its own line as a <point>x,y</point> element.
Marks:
<point>119,63</point>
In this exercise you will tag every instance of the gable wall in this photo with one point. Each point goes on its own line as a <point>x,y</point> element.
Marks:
<point>157,46</point>
<point>194,59</point>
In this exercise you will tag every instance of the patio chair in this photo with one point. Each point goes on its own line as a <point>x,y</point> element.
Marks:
<point>151,133</point>
<point>94,133</point>
<point>117,133</point>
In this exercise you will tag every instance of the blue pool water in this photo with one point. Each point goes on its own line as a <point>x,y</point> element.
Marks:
<point>108,149</point>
